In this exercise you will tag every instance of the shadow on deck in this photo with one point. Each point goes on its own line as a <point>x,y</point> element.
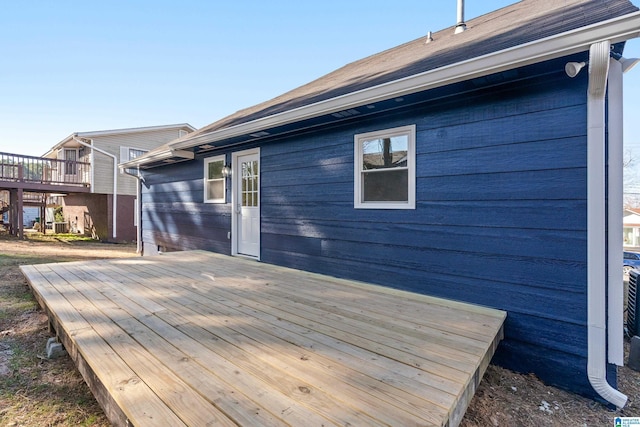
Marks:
<point>196,338</point>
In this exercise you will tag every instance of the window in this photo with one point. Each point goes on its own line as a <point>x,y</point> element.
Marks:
<point>70,165</point>
<point>214,180</point>
<point>128,153</point>
<point>385,169</point>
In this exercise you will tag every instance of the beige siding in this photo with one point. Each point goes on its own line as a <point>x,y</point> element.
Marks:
<point>103,165</point>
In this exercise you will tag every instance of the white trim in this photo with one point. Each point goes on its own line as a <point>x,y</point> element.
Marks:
<point>114,222</point>
<point>157,157</point>
<point>125,155</point>
<point>615,200</point>
<point>556,46</point>
<point>234,201</point>
<point>596,227</point>
<point>410,132</point>
<point>205,180</point>
<point>93,134</point>
<point>75,161</point>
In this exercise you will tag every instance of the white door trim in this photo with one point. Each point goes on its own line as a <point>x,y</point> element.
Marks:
<point>235,198</point>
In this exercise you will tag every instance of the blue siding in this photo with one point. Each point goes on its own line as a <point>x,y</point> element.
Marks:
<point>500,217</point>
<point>174,216</point>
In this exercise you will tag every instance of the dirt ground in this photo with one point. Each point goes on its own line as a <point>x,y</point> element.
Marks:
<point>35,391</point>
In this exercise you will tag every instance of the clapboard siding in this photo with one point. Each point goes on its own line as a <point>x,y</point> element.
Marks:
<point>140,140</point>
<point>500,217</point>
<point>550,274</point>
<point>494,170</point>
<point>174,216</point>
<point>559,184</point>
<point>538,214</point>
<point>530,306</point>
<point>563,245</point>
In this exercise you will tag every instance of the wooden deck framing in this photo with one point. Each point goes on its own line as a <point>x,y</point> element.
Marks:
<point>194,338</point>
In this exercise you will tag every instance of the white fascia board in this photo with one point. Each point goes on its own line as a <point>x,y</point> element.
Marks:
<point>92,134</point>
<point>59,145</point>
<point>158,157</point>
<point>563,44</point>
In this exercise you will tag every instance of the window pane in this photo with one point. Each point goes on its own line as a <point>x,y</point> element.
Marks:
<point>387,186</point>
<point>70,166</point>
<point>133,153</point>
<point>385,152</point>
<point>215,170</point>
<point>215,190</point>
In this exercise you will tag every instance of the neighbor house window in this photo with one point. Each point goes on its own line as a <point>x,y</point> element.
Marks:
<point>127,154</point>
<point>385,169</point>
<point>70,165</point>
<point>214,180</point>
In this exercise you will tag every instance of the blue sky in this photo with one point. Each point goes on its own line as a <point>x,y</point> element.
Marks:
<point>72,66</point>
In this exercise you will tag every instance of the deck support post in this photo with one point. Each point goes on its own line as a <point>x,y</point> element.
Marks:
<point>20,218</point>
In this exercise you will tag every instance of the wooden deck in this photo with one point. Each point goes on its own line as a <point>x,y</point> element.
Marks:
<point>194,338</point>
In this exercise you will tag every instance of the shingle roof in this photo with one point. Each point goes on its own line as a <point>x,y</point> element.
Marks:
<point>415,65</point>
<point>522,22</point>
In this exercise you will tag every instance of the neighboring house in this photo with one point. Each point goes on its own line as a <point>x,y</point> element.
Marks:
<point>631,230</point>
<point>463,165</point>
<point>93,213</point>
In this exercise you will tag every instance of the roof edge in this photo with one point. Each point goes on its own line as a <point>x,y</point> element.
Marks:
<point>159,156</point>
<point>615,30</point>
<point>117,132</point>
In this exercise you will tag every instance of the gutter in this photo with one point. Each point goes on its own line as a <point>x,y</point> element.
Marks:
<point>158,156</point>
<point>596,227</point>
<point>115,179</point>
<point>578,40</point>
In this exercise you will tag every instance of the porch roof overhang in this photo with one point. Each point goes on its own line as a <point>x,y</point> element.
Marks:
<point>383,95</point>
<point>163,157</point>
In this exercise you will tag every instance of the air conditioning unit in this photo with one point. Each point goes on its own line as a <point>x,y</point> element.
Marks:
<point>633,308</point>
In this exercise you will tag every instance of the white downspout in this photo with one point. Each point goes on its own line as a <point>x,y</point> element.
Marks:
<point>596,222</point>
<point>139,180</point>
<point>93,169</point>
<point>615,330</point>
<point>115,180</point>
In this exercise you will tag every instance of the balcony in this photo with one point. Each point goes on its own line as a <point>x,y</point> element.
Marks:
<point>43,175</point>
<point>26,180</point>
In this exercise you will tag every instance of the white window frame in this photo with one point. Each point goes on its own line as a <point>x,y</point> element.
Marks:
<point>73,162</point>
<point>125,155</point>
<point>410,132</point>
<point>206,180</point>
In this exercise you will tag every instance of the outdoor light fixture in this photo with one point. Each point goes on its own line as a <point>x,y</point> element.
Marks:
<point>226,170</point>
<point>573,68</point>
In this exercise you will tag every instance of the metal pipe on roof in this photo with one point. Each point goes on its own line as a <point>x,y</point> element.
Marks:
<point>460,26</point>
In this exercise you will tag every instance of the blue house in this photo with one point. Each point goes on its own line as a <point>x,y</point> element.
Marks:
<point>481,163</point>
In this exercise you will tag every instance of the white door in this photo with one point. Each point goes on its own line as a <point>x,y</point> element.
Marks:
<point>246,201</point>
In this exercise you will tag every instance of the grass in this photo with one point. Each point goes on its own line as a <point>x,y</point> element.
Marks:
<point>62,237</point>
<point>35,391</point>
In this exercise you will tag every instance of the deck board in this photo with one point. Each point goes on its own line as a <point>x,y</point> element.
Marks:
<point>196,338</point>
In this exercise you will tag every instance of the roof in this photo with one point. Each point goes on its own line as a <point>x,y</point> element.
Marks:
<point>94,134</point>
<point>521,34</point>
